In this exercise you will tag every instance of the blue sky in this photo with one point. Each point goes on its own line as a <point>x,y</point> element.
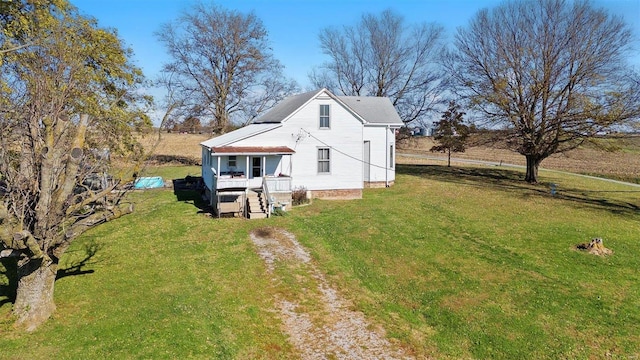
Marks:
<point>294,25</point>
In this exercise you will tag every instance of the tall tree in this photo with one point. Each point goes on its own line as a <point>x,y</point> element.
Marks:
<point>192,125</point>
<point>451,132</point>
<point>69,99</point>
<point>222,68</point>
<point>382,56</point>
<point>551,73</point>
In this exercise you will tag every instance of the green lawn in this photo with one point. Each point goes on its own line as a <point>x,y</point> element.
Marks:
<point>453,262</point>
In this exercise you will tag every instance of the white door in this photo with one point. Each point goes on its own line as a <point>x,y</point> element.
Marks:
<point>367,161</point>
<point>256,167</point>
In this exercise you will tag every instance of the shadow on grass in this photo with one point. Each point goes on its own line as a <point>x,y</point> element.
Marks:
<point>9,273</point>
<point>190,190</point>
<point>513,181</point>
<point>78,267</point>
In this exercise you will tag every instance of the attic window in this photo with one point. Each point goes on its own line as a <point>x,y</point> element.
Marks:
<point>324,117</point>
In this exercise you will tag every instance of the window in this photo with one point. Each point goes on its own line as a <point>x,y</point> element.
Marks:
<point>232,162</point>
<point>324,117</point>
<point>207,157</point>
<point>391,158</point>
<point>324,163</point>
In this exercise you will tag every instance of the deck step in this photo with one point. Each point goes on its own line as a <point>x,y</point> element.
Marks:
<point>256,205</point>
<point>257,215</point>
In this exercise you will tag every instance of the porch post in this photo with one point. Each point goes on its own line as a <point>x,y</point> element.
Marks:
<point>218,169</point>
<point>264,165</point>
<point>248,169</point>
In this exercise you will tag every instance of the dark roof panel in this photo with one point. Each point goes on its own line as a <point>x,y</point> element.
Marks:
<point>285,108</point>
<point>374,110</point>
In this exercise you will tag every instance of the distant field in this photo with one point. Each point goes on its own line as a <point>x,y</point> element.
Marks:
<point>623,164</point>
<point>173,148</point>
<point>621,161</point>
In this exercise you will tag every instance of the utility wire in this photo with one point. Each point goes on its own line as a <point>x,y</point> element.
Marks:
<point>345,154</point>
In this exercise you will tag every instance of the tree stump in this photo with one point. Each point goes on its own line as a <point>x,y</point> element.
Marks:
<point>595,247</point>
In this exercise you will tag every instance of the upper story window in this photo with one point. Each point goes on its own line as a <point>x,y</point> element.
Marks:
<point>324,117</point>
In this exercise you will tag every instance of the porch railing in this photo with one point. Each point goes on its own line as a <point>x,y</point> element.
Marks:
<point>267,196</point>
<point>223,182</point>
<point>278,183</point>
<point>274,183</point>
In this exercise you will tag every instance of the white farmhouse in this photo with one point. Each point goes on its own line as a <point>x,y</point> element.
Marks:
<point>332,146</point>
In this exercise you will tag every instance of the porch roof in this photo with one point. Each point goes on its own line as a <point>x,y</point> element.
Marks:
<point>252,150</point>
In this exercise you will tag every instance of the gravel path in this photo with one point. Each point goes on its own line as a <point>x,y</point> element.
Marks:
<point>331,330</point>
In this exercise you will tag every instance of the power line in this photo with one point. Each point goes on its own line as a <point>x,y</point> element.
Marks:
<point>344,153</point>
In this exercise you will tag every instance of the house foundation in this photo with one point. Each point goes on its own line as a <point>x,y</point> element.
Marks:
<point>337,194</point>
<point>282,198</point>
<point>377,184</point>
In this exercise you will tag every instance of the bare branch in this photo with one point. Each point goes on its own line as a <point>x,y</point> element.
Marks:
<point>15,48</point>
<point>551,71</point>
<point>380,56</point>
<point>91,221</point>
<point>222,68</point>
<point>65,106</point>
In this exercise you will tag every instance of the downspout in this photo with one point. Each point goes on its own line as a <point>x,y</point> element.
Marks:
<point>386,158</point>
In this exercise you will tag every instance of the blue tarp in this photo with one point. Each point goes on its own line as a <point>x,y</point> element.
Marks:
<point>148,182</point>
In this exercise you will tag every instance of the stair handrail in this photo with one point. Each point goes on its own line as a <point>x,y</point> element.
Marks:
<point>265,192</point>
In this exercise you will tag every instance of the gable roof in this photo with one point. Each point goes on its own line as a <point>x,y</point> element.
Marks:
<point>370,109</point>
<point>286,107</point>
<point>239,134</point>
<point>374,110</point>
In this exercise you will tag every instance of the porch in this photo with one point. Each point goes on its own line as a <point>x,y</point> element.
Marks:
<point>281,183</point>
<point>247,170</point>
<point>234,196</point>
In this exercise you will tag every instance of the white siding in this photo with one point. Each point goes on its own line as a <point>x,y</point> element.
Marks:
<point>303,134</point>
<point>381,139</point>
<point>207,168</point>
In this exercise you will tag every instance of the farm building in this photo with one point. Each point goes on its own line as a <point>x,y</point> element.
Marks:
<point>332,146</point>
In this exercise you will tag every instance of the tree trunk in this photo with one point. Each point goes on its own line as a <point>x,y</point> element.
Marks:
<point>533,162</point>
<point>34,297</point>
<point>449,157</point>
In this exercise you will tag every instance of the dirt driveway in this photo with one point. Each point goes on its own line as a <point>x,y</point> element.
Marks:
<point>319,322</point>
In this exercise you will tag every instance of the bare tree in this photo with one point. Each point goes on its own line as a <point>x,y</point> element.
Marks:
<point>381,56</point>
<point>222,68</point>
<point>69,101</point>
<point>550,73</point>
